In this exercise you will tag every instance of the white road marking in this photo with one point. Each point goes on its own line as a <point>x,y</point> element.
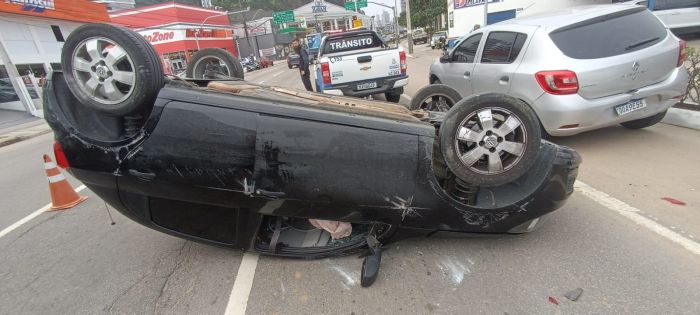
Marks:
<point>261,82</point>
<point>632,213</point>
<point>238,300</point>
<point>28,218</point>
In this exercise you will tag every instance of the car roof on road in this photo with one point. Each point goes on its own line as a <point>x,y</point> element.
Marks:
<point>556,19</point>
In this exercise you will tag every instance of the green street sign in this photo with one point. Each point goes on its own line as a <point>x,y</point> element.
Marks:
<point>350,5</point>
<point>291,30</point>
<point>283,17</point>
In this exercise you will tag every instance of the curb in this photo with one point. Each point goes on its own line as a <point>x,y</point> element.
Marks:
<point>21,135</point>
<point>682,118</point>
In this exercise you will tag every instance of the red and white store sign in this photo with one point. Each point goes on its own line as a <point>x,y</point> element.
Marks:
<point>163,36</point>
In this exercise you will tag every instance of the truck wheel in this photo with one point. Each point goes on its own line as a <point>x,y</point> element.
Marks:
<point>111,69</point>
<point>210,63</point>
<point>435,97</point>
<point>644,122</point>
<point>490,140</point>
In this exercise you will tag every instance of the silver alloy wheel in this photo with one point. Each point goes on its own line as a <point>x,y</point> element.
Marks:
<point>491,140</point>
<point>216,61</point>
<point>437,102</point>
<point>104,70</point>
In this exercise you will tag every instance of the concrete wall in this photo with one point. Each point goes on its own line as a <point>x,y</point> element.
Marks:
<point>465,18</point>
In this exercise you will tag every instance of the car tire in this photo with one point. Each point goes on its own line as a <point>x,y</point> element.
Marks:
<point>644,122</point>
<point>490,139</point>
<point>435,97</point>
<point>123,72</point>
<point>229,66</point>
<point>393,97</point>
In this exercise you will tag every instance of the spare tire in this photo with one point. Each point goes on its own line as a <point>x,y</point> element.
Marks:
<point>435,97</point>
<point>111,69</point>
<point>490,140</point>
<point>214,63</point>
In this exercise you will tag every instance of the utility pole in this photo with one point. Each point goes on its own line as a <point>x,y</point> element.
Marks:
<point>13,76</point>
<point>408,25</point>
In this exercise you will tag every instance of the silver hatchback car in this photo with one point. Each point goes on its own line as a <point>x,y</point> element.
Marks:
<point>579,69</point>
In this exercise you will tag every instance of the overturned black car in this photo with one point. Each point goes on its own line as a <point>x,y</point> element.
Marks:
<point>292,173</point>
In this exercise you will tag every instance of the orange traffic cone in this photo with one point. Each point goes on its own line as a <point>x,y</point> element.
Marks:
<point>63,196</point>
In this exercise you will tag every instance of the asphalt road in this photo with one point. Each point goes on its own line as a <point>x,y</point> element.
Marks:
<point>629,250</point>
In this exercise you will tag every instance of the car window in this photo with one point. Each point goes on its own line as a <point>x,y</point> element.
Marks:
<point>466,51</point>
<point>675,4</point>
<point>502,47</point>
<point>610,35</point>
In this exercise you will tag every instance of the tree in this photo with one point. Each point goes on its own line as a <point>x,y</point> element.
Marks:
<point>424,12</point>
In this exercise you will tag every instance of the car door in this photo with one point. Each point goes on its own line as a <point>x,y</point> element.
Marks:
<point>189,175</point>
<point>678,13</point>
<point>498,62</point>
<point>457,73</point>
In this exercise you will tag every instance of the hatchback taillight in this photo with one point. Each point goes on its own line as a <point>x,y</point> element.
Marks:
<point>326,73</point>
<point>61,159</point>
<point>402,58</point>
<point>681,54</point>
<point>559,82</point>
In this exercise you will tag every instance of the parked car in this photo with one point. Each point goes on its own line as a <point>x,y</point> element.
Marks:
<point>250,64</point>
<point>266,62</point>
<point>359,63</point>
<point>682,16</point>
<point>235,164</point>
<point>568,67</point>
<point>293,60</point>
<point>419,36</point>
<point>435,39</point>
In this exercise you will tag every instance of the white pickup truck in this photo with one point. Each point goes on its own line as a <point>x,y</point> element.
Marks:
<point>358,63</point>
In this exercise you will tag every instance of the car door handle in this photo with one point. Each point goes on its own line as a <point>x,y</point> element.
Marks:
<point>363,59</point>
<point>467,74</point>
<point>147,176</point>
<point>504,80</point>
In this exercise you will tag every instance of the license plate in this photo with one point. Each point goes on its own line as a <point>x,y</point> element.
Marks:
<point>366,85</point>
<point>630,106</point>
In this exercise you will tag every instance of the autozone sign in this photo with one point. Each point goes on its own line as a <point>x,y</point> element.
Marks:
<point>163,36</point>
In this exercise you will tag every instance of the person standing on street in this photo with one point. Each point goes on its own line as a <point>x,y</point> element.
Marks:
<point>303,65</point>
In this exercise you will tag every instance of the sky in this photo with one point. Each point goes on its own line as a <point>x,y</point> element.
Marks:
<point>373,9</point>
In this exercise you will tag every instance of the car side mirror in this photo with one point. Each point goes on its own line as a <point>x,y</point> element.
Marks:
<point>445,58</point>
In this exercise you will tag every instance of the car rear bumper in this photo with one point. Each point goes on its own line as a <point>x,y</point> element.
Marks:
<point>385,85</point>
<point>566,115</point>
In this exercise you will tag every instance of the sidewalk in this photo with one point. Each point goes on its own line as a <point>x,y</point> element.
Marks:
<point>23,131</point>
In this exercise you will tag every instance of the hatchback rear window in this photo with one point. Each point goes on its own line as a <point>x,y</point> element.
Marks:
<point>353,42</point>
<point>610,35</point>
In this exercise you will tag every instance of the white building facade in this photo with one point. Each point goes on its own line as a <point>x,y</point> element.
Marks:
<point>32,34</point>
<point>464,14</point>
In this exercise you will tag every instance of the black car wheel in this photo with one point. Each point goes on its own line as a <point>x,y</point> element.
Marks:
<point>111,69</point>
<point>644,122</point>
<point>490,139</point>
<point>212,63</point>
<point>435,97</point>
<point>392,98</point>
